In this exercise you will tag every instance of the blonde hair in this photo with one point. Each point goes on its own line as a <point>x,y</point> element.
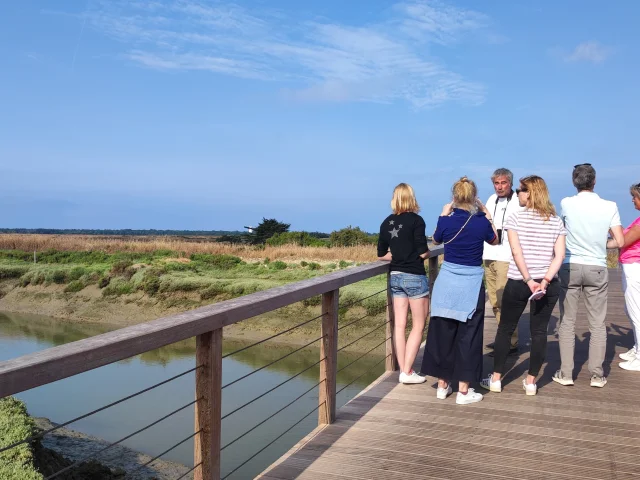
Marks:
<point>539,200</point>
<point>404,199</point>
<point>465,193</point>
<point>635,190</point>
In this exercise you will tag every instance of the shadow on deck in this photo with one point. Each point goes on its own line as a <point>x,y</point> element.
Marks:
<point>393,431</point>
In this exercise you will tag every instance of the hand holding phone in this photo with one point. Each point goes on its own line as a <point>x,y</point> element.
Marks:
<point>537,295</point>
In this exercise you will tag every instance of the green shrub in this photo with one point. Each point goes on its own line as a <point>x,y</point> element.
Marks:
<point>375,305</point>
<point>16,425</point>
<point>350,237</point>
<point>74,286</point>
<point>312,301</point>
<point>331,266</point>
<point>303,263</point>
<point>223,262</point>
<point>296,238</point>
<point>179,267</point>
<point>212,291</point>
<point>237,290</point>
<point>344,264</point>
<point>12,271</point>
<point>118,287</point>
<point>59,276</point>
<point>267,261</point>
<point>25,280</point>
<point>103,282</point>
<point>76,273</point>
<point>278,265</point>
<point>314,266</point>
<point>120,267</point>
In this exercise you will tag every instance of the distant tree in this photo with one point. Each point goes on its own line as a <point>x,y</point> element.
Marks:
<point>267,229</point>
<point>349,237</point>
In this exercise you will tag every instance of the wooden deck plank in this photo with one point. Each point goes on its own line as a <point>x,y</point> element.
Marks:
<point>394,431</point>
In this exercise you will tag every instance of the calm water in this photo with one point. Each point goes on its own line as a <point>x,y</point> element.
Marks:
<point>69,398</point>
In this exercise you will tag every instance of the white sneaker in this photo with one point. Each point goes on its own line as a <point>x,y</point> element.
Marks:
<point>443,393</point>
<point>491,385</point>
<point>597,381</point>
<point>628,356</point>
<point>411,378</point>
<point>561,379</point>
<point>470,397</point>
<point>529,389</point>
<point>632,365</point>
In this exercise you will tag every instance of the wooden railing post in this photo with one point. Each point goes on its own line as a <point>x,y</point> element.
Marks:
<point>329,357</point>
<point>208,409</point>
<point>391,363</point>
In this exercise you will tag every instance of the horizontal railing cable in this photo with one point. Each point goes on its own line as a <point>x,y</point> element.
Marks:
<point>362,375</point>
<point>363,355</point>
<point>133,395</point>
<point>273,336</point>
<point>365,335</point>
<point>356,320</point>
<point>99,452</point>
<point>271,416</point>
<point>270,443</point>
<point>189,471</point>
<point>165,452</point>
<point>271,363</point>
<point>351,304</point>
<point>272,389</point>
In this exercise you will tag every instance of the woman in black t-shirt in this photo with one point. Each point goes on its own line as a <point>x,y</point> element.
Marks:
<point>403,241</point>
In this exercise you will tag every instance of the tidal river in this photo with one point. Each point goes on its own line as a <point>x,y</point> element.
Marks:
<point>72,397</point>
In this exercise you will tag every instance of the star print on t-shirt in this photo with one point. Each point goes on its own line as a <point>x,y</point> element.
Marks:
<point>391,222</point>
<point>394,232</point>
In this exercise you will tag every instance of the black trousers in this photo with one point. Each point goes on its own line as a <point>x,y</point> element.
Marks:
<point>454,349</point>
<point>514,301</point>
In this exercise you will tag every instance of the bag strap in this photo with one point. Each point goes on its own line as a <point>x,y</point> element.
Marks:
<point>461,228</point>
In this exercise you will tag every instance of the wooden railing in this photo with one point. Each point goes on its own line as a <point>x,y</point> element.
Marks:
<point>206,325</point>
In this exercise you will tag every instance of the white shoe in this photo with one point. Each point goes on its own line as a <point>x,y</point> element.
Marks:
<point>491,385</point>
<point>597,381</point>
<point>632,365</point>
<point>470,397</point>
<point>561,379</point>
<point>443,393</point>
<point>629,355</point>
<point>529,389</point>
<point>411,378</point>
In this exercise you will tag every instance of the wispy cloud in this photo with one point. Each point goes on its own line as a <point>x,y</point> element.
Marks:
<point>591,51</point>
<point>315,60</point>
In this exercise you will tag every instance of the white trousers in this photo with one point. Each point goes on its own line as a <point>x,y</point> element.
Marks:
<point>631,289</point>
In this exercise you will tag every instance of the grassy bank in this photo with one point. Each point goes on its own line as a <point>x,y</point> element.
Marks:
<point>125,287</point>
<point>31,461</point>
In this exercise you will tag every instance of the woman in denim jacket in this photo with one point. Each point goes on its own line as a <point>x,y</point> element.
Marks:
<point>403,241</point>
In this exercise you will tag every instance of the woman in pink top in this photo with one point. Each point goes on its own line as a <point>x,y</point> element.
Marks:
<point>630,261</point>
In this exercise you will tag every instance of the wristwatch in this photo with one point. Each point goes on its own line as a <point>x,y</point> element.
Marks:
<point>527,280</point>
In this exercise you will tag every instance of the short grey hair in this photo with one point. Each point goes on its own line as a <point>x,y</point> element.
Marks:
<point>635,190</point>
<point>584,177</point>
<point>502,172</point>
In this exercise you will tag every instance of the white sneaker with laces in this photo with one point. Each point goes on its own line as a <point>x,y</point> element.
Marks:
<point>443,393</point>
<point>632,365</point>
<point>491,385</point>
<point>629,355</point>
<point>411,378</point>
<point>470,397</point>
<point>529,388</point>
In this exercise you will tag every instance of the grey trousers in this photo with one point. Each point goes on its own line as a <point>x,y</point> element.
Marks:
<point>594,282</point>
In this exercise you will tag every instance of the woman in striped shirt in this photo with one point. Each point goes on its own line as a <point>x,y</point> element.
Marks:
<point>537,238</point>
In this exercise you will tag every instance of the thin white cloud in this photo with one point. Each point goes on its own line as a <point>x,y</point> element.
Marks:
<point>315,61</point>
<point>591,51</point>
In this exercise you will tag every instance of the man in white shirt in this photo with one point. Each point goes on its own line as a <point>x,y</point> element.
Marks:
<point>588,220</point>
<point>501,205</point>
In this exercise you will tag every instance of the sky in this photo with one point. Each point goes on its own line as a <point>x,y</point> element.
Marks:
<point>206,114</point>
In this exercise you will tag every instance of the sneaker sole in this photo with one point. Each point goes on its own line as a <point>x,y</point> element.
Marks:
<point>527,392</point>
<point>598,385</point>
<point>629,369</point>
<point>468,403</point>
<point>566,383</point>
<point>414,383</point>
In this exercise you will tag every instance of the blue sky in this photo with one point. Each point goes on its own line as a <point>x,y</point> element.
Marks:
<point>202,114</point>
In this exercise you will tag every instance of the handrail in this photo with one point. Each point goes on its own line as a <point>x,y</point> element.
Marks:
<point>206,325</point>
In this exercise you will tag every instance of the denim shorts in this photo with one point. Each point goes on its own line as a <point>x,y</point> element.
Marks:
<point>409,285</point>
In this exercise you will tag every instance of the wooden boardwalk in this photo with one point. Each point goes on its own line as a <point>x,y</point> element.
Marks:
<point>399,432</point>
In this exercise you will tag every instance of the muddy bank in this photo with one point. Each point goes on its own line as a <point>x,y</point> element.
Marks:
<point>77,446</point>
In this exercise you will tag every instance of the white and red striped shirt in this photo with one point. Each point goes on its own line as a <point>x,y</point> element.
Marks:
<point>537,239</point>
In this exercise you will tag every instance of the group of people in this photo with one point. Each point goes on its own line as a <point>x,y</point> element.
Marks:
<point>519,251</point>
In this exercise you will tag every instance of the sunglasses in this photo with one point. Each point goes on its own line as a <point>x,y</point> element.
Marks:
<point>582,165</point>
<point>520,190</point>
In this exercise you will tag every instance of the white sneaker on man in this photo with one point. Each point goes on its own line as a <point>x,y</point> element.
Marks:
<point>470,397</point>
<point>597,381</point>
<point>561,379</point>
<point>632,365</point>
<point>529,388</point>
<point>411,378</point>
<point>629,355</point>
<point>443,393</point>
<point>491,385</point>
